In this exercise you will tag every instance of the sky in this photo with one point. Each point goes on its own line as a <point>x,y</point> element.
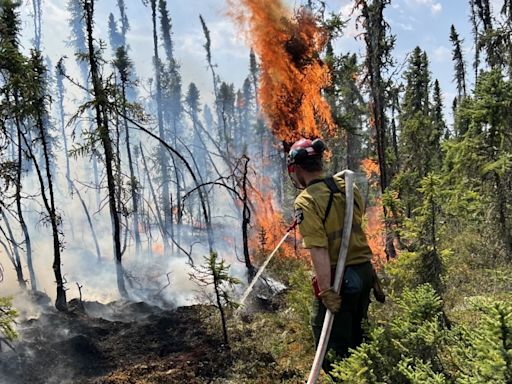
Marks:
<point>424,23</point>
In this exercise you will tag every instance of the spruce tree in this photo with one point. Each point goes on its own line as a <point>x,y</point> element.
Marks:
<point>101,111</point>
<point>439,130</point>
<point>12,67</point>
<point>481,159</point>
<point>163,156</point>
<point>123,66</point>
<point>458,63</point>
<point>172,106</point>
<point>378,57</point>
<point>420,130</point>
<point>38,102</point>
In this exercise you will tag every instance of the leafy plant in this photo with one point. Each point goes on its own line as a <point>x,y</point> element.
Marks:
<point>7,320</point>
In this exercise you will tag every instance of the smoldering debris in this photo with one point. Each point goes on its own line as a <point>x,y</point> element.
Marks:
<point>93,342</point>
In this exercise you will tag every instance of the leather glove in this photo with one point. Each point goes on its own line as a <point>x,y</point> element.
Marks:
<point>378,292</point>
<point>331,300</point>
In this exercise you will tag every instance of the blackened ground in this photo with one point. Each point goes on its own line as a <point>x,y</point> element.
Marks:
<point>121,342</point>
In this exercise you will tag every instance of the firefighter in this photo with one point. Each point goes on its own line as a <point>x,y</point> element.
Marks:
<point>319,212</point>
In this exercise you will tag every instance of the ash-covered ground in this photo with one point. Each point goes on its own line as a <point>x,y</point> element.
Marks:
<point>127,342</point>
<point>121,342</point>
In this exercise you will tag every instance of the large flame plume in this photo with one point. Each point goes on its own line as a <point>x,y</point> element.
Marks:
<point>292,74</point>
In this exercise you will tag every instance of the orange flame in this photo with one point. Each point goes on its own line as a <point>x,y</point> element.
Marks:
<point>292,74</point>
<point>268,226</point>
<point>375,228</point>
<point>158,249</point>
<point>375,233</point>
<point>372,171</point>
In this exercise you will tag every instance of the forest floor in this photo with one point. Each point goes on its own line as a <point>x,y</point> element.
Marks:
<point>133,342</point>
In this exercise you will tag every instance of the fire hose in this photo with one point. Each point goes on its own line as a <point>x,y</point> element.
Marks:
<point>340,267</point>
<point>264,265</point>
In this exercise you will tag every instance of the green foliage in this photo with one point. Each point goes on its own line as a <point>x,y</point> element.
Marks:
<point>405,349</point>
<point>215,272</point>
<point>299,296</point>
<point>420,372</point>
<point>7,319</point>
<point>414,347</point>
<point>484,355</point>
<point>479,162</point>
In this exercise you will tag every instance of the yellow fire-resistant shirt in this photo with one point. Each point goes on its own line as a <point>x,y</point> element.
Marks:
<point>310,208</point>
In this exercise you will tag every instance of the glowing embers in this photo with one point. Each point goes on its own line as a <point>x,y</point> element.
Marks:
<point>292,74</point>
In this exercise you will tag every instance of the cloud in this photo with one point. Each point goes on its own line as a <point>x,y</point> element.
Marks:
<point>435,7</point>
<point>349,13</point>
<point>442,54</point>
<point>405,27</point>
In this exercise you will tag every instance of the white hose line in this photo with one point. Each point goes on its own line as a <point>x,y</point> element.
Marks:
<point>340,267</point>
<point>260,271</point>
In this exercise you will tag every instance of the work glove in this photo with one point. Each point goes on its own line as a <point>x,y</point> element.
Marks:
<point>330,299</point>
<point>378,292</point>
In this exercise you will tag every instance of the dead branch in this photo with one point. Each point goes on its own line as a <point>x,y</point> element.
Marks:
<point>166,285</point>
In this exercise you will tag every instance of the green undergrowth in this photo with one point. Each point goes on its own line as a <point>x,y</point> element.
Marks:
<point>459,333</point>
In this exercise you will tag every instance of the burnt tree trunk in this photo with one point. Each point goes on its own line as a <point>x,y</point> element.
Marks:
<point>55,220</point>
<point>162,154</point>
<point>375,37</point>
<point>158,215</point>
<point>16,259</point>
<point>246,220</point>
<point>102,125</point>
<point>23,224</point>
<point>133,180</point>
<point>89,220</point>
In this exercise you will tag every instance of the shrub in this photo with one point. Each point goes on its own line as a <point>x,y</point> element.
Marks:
<point>7,321</point>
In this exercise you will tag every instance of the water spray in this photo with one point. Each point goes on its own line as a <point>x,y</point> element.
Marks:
<point>264,265</point>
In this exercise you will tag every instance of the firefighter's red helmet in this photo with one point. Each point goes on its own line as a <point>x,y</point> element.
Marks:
<point>304,148</point>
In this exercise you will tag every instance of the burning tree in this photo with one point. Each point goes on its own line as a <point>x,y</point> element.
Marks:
<point>292,75</point>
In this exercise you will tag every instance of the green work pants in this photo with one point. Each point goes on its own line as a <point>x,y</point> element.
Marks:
<point>347,329</point>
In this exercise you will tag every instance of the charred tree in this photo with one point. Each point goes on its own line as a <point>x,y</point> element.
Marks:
<point>102,129</point>
<point>79,41</point>
<point>38,102</point>
<point>59,71</point>
<point>246,218</point>
<point>172,107</point>
<point>123,65</point>
<point>12,66</point>
<point>37,15</point>
<point>163,157</point>
<point>378,48</point>
<point>89,220</point>
<point>15,254</point>
<point>158,214</point>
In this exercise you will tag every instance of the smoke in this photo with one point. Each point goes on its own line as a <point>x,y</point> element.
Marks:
<point>292,74</point>
<point>150,276</point>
